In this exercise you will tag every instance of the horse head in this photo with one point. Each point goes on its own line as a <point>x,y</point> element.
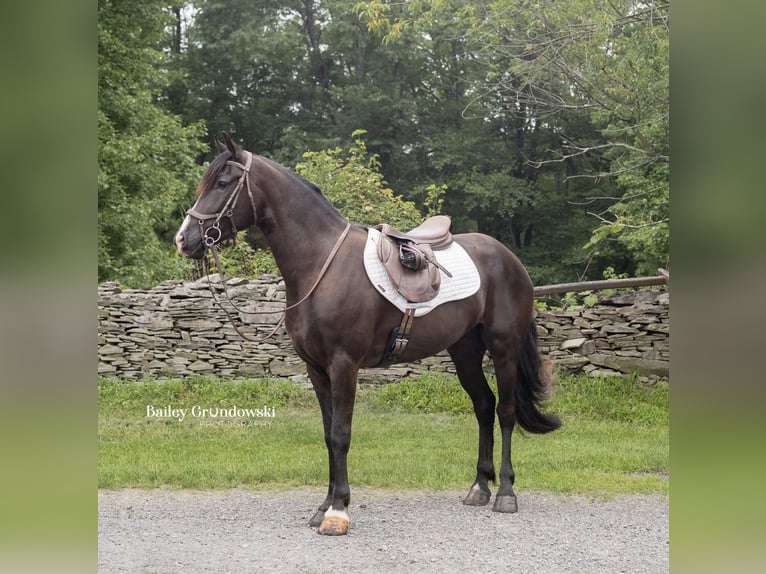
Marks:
<point>224,203</point>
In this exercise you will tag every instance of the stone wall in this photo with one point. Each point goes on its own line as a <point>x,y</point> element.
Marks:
<point>175,329</point>
<point>626,333</point>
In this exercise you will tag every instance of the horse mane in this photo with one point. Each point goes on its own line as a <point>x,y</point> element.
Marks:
<point>304,182</point>
<point>213,171</point>
<point>219,163</point>
<point>294,175</point>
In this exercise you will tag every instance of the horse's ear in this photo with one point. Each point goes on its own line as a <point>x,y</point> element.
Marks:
<point>220,146</point>
<point>231,145</point>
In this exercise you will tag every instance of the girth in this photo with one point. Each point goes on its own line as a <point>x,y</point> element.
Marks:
<point>397,341</point>
<point>414,271</point>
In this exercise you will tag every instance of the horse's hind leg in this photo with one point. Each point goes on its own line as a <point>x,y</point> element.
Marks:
<point>467,354</point>
<point>505,356</point>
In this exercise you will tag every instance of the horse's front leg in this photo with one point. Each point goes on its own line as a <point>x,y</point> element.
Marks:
<point>343,375</point>
<point>321,383</point>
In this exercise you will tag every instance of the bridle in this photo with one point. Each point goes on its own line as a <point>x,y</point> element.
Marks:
<point>212,234</point>
<point>210,241</point>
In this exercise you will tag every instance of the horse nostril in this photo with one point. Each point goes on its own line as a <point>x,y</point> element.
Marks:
<point>180,240</point>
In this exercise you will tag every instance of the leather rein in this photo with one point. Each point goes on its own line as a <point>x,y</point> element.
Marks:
<point>211,239</point>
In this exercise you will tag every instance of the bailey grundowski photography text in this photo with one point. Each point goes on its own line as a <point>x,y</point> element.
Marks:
<point>211,415</point>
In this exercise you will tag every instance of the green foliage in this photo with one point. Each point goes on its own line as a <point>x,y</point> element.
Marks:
<point>240,259</point>
<point>434,199</point>
<point>244,69</point>
<point>352,182</point>
<point>588,298</point>
<point>428,394</point>
<point>594,73</point>
<point>146,157</point>
<point>619,399</point>
<point>542,124</point>
<point>129,400</point>
<point>614,55</point>
<point>578,300</point>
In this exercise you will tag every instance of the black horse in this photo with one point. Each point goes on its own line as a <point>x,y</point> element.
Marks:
<point>339,323</point>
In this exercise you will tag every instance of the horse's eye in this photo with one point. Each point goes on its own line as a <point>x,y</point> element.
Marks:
<point>222,183</point>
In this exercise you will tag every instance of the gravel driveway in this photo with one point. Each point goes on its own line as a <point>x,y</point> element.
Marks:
<point>168,531</point>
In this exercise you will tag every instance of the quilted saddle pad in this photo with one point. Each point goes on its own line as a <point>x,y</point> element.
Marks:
<point>465,280</point>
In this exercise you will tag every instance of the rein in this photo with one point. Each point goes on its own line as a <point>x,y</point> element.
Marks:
<point>284,311</point>
<point>210,243</point>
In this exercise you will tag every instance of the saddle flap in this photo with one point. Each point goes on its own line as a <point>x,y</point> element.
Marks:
<point>415,286</point>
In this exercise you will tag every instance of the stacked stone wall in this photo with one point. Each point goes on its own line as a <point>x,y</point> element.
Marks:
<point>175,329</point>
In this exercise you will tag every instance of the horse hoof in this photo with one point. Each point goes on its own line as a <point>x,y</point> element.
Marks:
<point>316,520</point>
<point>477,496</point>
<point>506,503</point>
<point>335,523</point>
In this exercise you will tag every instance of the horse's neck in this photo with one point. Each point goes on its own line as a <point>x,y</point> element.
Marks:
<point>301,229</point>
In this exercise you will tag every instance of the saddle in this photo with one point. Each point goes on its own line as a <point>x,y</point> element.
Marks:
<point>409,257</point>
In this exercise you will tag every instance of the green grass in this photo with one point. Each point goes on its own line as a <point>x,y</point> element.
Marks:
<point>418,434</point>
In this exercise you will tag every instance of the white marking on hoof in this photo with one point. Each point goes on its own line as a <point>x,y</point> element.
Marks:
<point>474,489</point>
<point>332,513</point>
<point>335,523</point>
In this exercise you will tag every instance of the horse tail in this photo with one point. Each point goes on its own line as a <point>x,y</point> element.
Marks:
<point>532,387</point>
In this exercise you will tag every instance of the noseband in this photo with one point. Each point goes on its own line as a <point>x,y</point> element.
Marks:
<point>212,234</point>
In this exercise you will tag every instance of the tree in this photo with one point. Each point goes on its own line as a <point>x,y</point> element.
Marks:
<point>250,69</point>
<point>606,60</point>
<point>503,106</point>
<point>146,157</point>
<point>598,66</point>
<point>352,182</point>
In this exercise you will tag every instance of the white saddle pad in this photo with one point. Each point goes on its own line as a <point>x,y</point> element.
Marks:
<point>465,280</point>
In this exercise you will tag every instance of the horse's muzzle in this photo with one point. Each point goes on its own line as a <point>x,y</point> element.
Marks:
<point>183,247</point>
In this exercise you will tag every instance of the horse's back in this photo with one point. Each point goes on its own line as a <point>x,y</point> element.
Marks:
<point>495,261</point>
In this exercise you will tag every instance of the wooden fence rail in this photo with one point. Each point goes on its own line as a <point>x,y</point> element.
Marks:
<point>661,279</point>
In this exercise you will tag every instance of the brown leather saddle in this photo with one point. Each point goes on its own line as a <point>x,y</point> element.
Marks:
<point>409,257</point>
